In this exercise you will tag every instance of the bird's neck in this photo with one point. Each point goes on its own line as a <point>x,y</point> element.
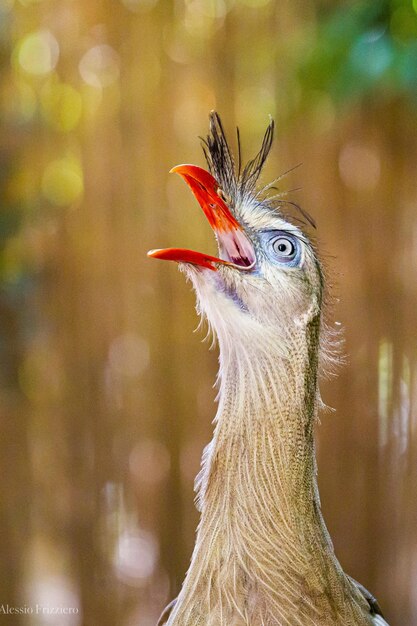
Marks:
<point>261,539</point>
<point>263,441</point>
<point>259,473</point>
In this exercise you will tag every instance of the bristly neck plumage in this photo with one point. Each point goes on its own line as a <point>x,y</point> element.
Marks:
<point>263,556</point>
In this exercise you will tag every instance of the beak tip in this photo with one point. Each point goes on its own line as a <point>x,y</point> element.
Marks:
<point>178,169</point>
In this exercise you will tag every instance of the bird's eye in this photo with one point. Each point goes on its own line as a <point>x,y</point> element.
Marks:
<point>284,248</point>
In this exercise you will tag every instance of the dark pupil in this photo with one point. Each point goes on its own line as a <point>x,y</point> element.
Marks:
<point>282,247</point>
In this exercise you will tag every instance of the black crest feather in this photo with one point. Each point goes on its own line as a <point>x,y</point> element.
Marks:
<point>219,157</point>
<point>238,182</point>
<point>234,181</point>
<point>253,168</point>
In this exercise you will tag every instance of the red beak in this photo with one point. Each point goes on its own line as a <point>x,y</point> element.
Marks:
<point>235,247</point>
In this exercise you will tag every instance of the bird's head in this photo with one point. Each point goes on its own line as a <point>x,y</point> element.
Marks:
<point>267,275</point>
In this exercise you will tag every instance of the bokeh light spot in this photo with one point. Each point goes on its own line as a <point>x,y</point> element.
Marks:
<point>372,54</point>
<point>202,19</point>
<point>177,43</point>
<point>136,557</point>
<point>62,181</point>
<point>61,589</point>
<point>99,66</point>
<point>359,166</point>
<point>385,364</point>
<point>38,52</point>
<point>61,106</point>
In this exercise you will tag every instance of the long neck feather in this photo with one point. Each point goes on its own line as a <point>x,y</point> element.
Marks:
<point>263,555</point>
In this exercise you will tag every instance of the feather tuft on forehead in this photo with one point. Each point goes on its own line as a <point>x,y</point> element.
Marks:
<point>240,183</point>
<point>234,181</point>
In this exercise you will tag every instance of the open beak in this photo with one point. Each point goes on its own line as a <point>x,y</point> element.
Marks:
<point>235,248</point>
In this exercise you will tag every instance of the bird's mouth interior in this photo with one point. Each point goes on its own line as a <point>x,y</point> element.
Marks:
<point>235,247</point>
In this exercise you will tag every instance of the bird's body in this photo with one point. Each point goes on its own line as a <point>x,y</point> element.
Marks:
<point>263,556</point>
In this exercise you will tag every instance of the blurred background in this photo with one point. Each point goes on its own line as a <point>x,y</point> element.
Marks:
<point>106,394</point>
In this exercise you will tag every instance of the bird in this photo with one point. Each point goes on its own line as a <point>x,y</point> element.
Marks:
<point>263,555</point>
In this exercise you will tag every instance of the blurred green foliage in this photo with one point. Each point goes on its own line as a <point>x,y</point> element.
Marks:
<point>362,48</point>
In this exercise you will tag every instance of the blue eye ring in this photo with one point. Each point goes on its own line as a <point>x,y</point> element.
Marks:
<point>284,248</point>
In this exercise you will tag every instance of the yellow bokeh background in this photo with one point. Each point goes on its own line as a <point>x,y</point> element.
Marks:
<point>106,396</point>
